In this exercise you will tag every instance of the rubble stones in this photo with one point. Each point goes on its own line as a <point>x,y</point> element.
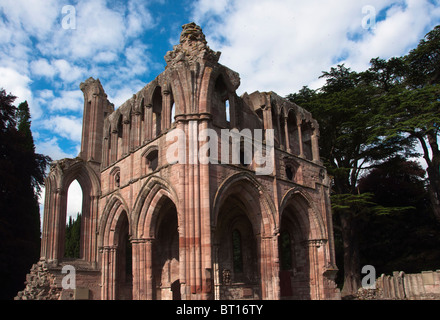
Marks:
<point>40,284</point>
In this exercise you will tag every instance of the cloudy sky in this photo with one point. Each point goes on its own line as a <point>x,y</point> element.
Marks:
<point>48,47</point>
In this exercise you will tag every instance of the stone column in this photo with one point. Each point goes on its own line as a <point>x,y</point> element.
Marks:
<point>105,152</point>
<point>268,267</point>
<point>166,109</point>
<point>300,140</point>
<point>148,123</point>
<point>125,136</point>
<point>142,269</point>
<point>315,266</point>
<point>114,146</point>
<point>108,271</point>
<point>315,146</point>
<point>286,133</point>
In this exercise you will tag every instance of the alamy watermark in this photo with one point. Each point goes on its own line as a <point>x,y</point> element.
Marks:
<point>68,21</point>
<point>369,18</point>
<point>69,280</point>
<point>201,147</point>
<point>369,281</point>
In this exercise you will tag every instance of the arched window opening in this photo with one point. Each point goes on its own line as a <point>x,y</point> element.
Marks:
<point>120,137</point>
<point>306,130</point>
<point>290,172</point>
<point>237,252</point>
<point>73,221</point>
<point>220,103</point>
<point>293,133</point>
<point>115,178</point>
<point>275,127</point>
<point>157,111</point>
<point>228,111</point>
<point>173,113</point>
<point>152,161</point>
<point>282,131</point>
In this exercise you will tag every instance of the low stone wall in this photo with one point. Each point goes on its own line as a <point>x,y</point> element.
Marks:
<point>424,285</point>
<point>402,286</point>
<point>44,282</point>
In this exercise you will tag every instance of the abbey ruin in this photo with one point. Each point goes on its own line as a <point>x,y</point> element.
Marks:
<point>155,229</point>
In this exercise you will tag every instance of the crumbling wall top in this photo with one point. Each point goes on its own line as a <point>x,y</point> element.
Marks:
<point>192,47</point>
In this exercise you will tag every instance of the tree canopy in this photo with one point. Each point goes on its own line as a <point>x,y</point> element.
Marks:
<point>371,118</point>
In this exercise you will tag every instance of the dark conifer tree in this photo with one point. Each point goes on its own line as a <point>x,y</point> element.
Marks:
<point>22,173</point>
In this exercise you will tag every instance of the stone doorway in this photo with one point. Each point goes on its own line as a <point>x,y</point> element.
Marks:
<point>166,253</point>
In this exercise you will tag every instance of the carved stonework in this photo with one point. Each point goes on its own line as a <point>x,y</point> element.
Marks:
<point>226,277</point>
<point>192,48</point>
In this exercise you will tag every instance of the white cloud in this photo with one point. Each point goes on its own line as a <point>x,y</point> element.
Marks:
<point>401,31</point>
<point>15,83</point>
<point>67,101</point>
<point>52,148</point>
<point>42,67</point>
<point>19,85</point>
<point>283,45</point>
<point>68,127</point>
<point>67,72</point>
<point>35,17</point>
<point>105,57</point>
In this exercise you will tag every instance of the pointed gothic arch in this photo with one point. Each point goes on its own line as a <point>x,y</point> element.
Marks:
<point>62,174</point>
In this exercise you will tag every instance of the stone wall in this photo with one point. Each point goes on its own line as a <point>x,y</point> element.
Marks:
<point>402,286</point>
<point>44,282</point>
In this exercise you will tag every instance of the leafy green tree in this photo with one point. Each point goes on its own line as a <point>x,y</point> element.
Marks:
<point>344,108</point>
<point>410,105</point>
<point>403,240</point>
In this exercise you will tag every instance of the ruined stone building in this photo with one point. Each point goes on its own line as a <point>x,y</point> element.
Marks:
<point>159,229</point>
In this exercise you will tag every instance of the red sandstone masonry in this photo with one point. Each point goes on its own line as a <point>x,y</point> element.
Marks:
<point>179,217</point>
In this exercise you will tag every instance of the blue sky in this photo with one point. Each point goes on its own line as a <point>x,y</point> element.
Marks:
<point>278,45</point>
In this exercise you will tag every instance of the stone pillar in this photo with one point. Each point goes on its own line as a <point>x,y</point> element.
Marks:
<point>148,123</point>
<point>315,266</point>
<point>105,152</point>
<point>136,130</point>
<point>125,136</point>
<point>315,146</point>
<point>286,133</point>
<point>269,270</point>
<point>166,109</point>
<point>300,140</point>
<point>216,272</point>
<point>142,269</point>
<point>114,146</point>
<point>108,271</point>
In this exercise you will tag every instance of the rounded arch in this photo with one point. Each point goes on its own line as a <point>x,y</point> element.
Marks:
<point>253,196</point>
<point>147,206</point>
<point>305,213</point>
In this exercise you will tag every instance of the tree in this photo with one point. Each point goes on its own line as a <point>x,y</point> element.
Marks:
<point>410,105</point>
<point>73,234</point>
<point>21,177</point>
<point>413,234</point>
<point>344,108</point>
